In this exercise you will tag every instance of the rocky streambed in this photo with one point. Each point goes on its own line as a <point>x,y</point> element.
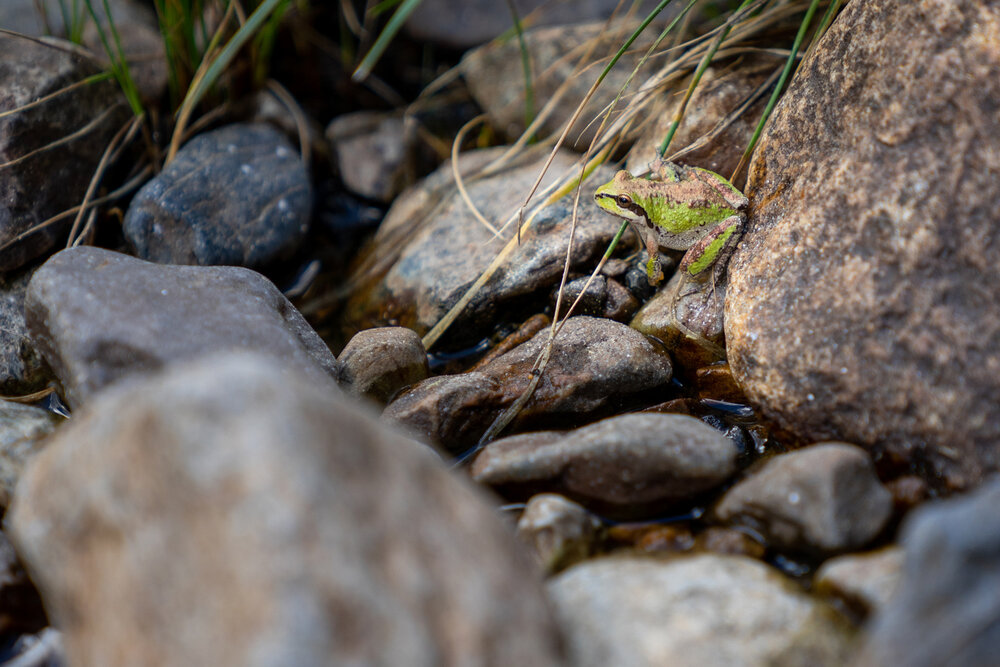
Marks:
<point>796,468</point>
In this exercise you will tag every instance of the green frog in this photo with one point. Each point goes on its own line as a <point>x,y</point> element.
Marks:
<point>687,209</point>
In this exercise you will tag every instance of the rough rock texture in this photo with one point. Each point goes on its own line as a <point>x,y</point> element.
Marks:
<point>946,610</point>
<point>23,429</point>
<point>701,611</point>
<point>238,195</point>
<point>596,365</point>
<point>376,363</point>
<point>822,499</point>
<point>864,300</point>
<point>628,465</point>
<point>98,315</point>
<point>437,248</point>
<point>37,184</point>
<point>559,531</point>
<point>22,369</point>
<point>864,581</point>
<point>229,512</point>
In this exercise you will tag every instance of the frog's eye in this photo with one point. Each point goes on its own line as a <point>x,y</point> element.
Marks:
<point>624,200</point>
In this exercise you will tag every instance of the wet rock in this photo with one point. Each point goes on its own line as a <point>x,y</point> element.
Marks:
<point>495,76</point>
<point>23,429</point>
<point>39,180</point>
<point>946,610</point>
<point>690,323</point>
<point>437,249</point>
<point>595,367</point>
<point>866,582</point>
<point>462,23</point>
<point>237,195</point>
<point>604,298</point>
<point>372,153</point>
<point>98,316</point>
<point>559,531</point>
<point>377,363</point>
<point>821,499</point>
<point>701,610</point>
<point>624,466</point>
<point>22,370</point>
<point>717,382</point>
<point>283,526</point>
<point>720,92</point>
<point>862,300</point>
<point>20,607</point>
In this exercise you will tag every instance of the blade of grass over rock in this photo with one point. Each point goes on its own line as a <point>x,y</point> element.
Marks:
<point>789,64</point>
<point>702,66</point>
<point>207,77</point>
<point>529,89</point>
<point>385,37</point>
<point>579,109</point>
<point>93,78</point>
<point>119,63</point>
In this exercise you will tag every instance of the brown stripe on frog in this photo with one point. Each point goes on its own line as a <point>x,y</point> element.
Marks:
<point>631,206</point>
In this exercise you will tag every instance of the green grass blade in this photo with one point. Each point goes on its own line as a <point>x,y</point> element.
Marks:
<point>789,65</point>
<point>702,66</point>
<point>385,37</point>
<point>529,88</point>
<point>119,64</point>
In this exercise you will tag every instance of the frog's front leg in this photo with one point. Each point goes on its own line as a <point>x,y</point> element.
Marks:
<point>654,272</point>
<point>713,248</point>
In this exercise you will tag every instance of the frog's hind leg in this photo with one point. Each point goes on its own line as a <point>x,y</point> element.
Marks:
<point>713,249</point>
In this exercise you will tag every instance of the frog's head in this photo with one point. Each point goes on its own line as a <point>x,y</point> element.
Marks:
<point>618,196</point>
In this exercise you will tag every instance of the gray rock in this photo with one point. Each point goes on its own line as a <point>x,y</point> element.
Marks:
<point>377,363</point>
<point>22,369</point>
<point>23,429</point>
<point>946,610</point>
<point>863,300</point>
<point>596,364</point>
<point>703,611</point>
<point>494,74</point>
<point>822,499</point>
<point>866,582</point>
<point>37,184</point>
<point>237,195</point>
<point>437,249</point>
<point>624,466</point>
<point>39,650</point>
<point>559,531</point>
<point>374,152</point>
<point>230,512</point>
<point>98,316</point>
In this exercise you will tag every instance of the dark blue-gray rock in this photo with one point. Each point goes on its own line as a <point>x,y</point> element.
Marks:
<point>23,429</point>
<point>22,369</point>
<point>946,610</point>
<point>595,366</point>
<point>229,512</point>
<point>698,611</point>
<point>238,195</point>
<point>822,500</point>
<point>632,465</point>
<point>98,316</point>
<point>39,177</point>
<point>377,363</point>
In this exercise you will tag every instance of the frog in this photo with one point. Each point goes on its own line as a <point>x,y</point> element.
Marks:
<point>687,208</point>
